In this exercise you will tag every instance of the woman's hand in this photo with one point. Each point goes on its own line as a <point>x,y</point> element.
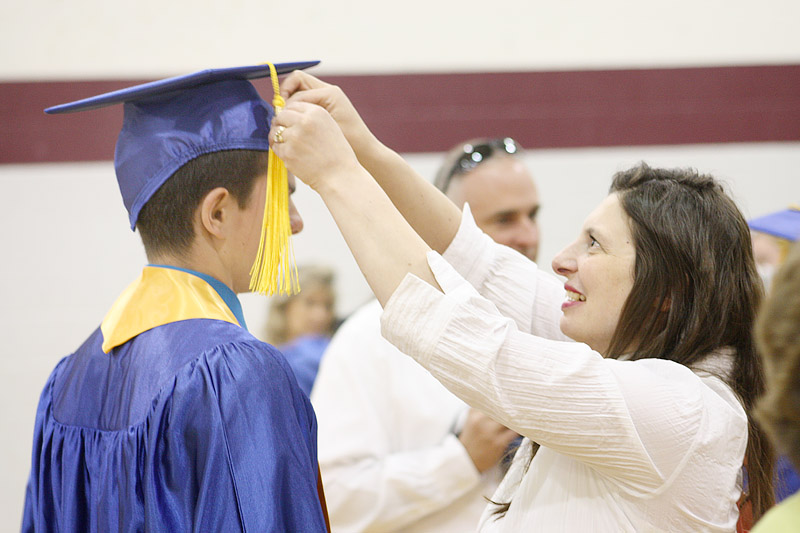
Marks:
<point>432,216</point>
<point>316,134</point>
<point>300,86</point>
<point>311,144</point>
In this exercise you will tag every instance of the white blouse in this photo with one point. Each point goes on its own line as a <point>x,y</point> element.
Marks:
<point>643,445</point>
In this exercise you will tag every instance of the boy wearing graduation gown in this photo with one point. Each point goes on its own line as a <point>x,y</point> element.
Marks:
<point>171,416</point>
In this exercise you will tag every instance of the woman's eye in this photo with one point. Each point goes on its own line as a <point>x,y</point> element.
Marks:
<point>593,242</point>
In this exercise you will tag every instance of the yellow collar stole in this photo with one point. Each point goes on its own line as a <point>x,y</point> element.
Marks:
<point>161,296</point>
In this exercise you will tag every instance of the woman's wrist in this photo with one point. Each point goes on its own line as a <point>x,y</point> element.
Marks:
<point>341,181</point>
<point>374,156</point>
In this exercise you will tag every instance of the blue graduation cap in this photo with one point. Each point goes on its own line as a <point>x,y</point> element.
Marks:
<point>169,122</point>
<point>784,224</point>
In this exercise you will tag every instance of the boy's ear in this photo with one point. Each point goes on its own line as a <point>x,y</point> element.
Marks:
<point>212,214</point>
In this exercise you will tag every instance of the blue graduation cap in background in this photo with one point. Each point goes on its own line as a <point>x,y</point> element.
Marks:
<point>784,224</point>
<point>169,122</point>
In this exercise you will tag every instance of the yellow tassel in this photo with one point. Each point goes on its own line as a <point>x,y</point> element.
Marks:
<point>274,270</point>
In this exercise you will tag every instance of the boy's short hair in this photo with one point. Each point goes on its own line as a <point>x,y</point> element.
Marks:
<point>166,221</point>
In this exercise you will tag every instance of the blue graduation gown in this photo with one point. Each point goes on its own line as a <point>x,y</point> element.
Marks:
<point>191,425</point>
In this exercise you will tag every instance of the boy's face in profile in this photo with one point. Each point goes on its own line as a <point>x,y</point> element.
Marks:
<point>246,229</point>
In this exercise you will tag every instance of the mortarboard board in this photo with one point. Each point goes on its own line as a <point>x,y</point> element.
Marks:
<point>784,224</point>
<point>169,122</point>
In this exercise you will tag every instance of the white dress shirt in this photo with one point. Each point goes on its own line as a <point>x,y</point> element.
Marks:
<point>388,456</point>
<point>643,445</point>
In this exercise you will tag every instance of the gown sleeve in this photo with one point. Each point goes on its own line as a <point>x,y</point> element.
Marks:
<point>240,424</point>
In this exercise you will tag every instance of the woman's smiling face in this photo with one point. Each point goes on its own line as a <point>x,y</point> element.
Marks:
<point>599,270</point>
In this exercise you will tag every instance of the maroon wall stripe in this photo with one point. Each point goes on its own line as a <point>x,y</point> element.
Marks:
<point>431,112</point>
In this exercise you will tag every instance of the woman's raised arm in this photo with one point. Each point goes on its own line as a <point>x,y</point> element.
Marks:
<point>384,245</point>
<point>432,215</point>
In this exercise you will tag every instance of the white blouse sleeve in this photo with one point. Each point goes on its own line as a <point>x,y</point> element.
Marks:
<point>633,421</point>
<point>510,280</point>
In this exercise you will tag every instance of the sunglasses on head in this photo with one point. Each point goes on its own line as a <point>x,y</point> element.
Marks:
<point>474,154</point>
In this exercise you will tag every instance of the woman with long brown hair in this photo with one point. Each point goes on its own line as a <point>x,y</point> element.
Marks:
<point>644,423</point>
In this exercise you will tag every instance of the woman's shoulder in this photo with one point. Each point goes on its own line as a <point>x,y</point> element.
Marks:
<point>667,390</point>
<point>712,370</point>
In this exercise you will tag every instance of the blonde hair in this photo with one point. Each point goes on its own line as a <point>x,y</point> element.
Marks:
<point>778,337</point>
<point>309,276</point>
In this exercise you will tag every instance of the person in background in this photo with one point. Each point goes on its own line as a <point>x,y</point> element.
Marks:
<point>773,235</point>
<point>637,377</point>
<point>172,416</point>
<point>778,337</point>
<point>398,451</point>
<point>490,175</point>
<point>301,324</point>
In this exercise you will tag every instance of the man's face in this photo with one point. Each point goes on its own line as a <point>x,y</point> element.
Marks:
<point>503,201</point>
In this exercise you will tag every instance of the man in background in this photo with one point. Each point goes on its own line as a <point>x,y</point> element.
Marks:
<point>399,452</point>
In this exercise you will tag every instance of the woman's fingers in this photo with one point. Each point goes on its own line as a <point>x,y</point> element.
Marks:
<point>310,143</point>
<point>320,96</point>
<point>300,81</point>
<point>302,87</point>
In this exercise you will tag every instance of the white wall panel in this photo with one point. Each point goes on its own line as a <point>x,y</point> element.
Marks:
<point>55,39</point>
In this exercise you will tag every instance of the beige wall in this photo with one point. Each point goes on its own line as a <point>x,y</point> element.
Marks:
<point>101,39</point>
